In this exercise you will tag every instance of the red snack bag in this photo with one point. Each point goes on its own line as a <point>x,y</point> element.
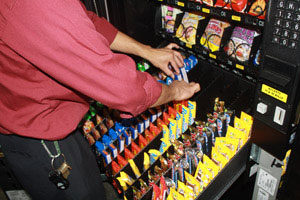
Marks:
<point>172,112</point>
<point>239,5</point>
<point>166,118</point>
<point>223,3</point>
<point>258,8</point>
<point>115,167</point>
<point>142,141</point>
<point>90,139</point>
<point>163,188</point>
<point>178,106</point>
<point>128,154</point>
<point>135,149</point>
<point>122,162</point>
<point>156,192</point>
<point>154,129</point>
<point>148,135</point>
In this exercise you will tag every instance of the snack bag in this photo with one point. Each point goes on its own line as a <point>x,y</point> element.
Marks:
<point>185,191</point>
<point>187,30</point>
<point>212,167</point>
<point>146,161</point>
<point>218,158</point>
<point>240,44</point>
<point>208,2</point>
<point>156,192</point>
<point>126,178</point>
<point>211,39</point>
<point>239,5</point>
<point>134,168</point>
<point>168,17</point>
<point>258,8</point>
<point>192,183</point>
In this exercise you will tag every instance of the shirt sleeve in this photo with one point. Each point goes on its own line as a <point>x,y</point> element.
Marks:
<point>102,25</point>
<point>60,40</point>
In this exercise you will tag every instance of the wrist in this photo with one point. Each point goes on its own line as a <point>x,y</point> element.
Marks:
<point>146,52</point>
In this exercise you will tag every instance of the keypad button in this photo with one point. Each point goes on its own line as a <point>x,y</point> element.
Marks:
<point>283,42</point>
<point>275,39</point>
<point>280,13</point>
<point>278,22</point>
<point>287,24</point>
<point>297,17</point>
<point>286,33</point>
<point>291,5</point>
<point>292,44</point>
<point>296,26</point>
<point>294,36</point>
<point>277,31</point>
<point>289,16</point>
<point>281,4</point>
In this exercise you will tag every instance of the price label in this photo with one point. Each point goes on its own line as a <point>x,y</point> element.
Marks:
<point>205,10</point>
<point>267,182</point>
<point>180,4</point>
<point>160,0</point>
<point>188,45</point>
<point>212,56</point>
<point>236,18</point>
<point>241,67</point>
<point>262,195</point>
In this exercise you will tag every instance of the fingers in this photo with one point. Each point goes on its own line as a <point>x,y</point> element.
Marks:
<point>172,45</point>
<point>195,87</point>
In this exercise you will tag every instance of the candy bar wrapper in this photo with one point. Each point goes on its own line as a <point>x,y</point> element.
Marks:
<point>208,2</point>
<point>142,141</point>
<point>172,129</point>
<point>185,120</point>
<point>146,161</point>
<point>115,167</point>
<point>179,119</point>
<point>192,112</point>
<point>134,132</point>
<point>163,188</point>
<point>121,161</point>
<point>154,154</point>
<point>153,115</point>
<point>121,140</point>
<point>258,8</point>
<point>128,154</point>
<point>126,178</point>
<point>127,136</point>
<point>166,132</point>
<point>135,149</point>
<point>166,118</point>
<point>160,124</point>
<point>164,145</point>
<point>149,136</point>
<point>146,121</point>
<point>140,126</point>
<point>88,126</point>
<point>96,134</point>
<point>122,183</point>
<point>154,129</point>
<point>114,150</point>
<point>168,17</point>
<point>134,168</point>
<point>156,192</point>
<point>90,139</point>
<point>184,74</point>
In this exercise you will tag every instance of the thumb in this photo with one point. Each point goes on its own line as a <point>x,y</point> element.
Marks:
<point>195,86</point>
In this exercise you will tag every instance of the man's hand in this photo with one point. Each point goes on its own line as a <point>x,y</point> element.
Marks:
<point>162,58</point>
<point>178,90</point>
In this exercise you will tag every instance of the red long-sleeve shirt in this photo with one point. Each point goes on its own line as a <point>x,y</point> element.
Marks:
<point>53,55</point>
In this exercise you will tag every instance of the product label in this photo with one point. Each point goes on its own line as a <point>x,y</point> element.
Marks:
<point>274,93</point>
<point>236,18</point>
<point>241,67</point>
<point>267,182</point>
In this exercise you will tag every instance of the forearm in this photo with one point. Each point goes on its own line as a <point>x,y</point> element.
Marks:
<point>126,44</point>
<point>167,95</point>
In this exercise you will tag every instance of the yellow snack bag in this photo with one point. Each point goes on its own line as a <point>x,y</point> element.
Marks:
<point>246,118</point>
<point>165,144</point>
<point>134,168</point>
<point>235,133</point>
<point>203,175</point>
<point>185,191</point>
<point>231,143</point>
<point>154,154</point>
<point>176,195</point>
<point>242,126</point>
<point>218,158</point>
<point>224,150</point>
<point>192,183</point>
<point>213,167</point>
